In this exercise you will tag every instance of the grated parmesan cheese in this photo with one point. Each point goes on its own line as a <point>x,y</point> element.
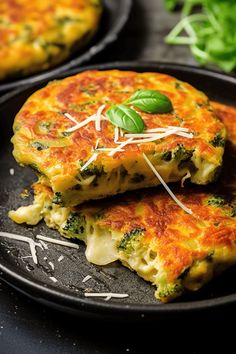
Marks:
<point>180,204</point>
<point>53,279</point>
<point>149,137</point>
<point>31,242</point>
<point>92,158</point>
<point>58,242</point>
<point>107,296</point>
<point>116,136</point>
<point>81,124</point>
<point>86,278</point>
<point>97,142</point>
<point>98,117</point>
<point>154,130</point>
<point>122,144</point>
<point>51,265</point>
<point>60,258</point>
<point>69,116</point>
<point>45,246</point>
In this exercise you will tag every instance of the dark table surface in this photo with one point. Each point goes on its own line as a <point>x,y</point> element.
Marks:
<point>28,327</point>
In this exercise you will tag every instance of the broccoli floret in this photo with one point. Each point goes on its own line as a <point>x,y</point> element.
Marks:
<point>127,242</point>
<point>216,201</point>
<point>182,154</point>
<point>169,291</point>
<point>218,141</point>
<point>233,212</point>
<point>92,170</point>
<point>75,224</point>
<point>39,146</point>
<point>228,203</point>
<point>57,198</point>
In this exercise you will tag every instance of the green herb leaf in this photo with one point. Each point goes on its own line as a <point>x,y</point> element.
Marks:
<point>151,101</point>
<point>126,118</point>
<point>171,4</point>
<point>208,32</point>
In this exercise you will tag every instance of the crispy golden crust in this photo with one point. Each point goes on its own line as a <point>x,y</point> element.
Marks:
<point>179,238</point>
<point>228,180</point>
<point>154,236</point>
<point>38,34</point>
<point>40,126</point>
<point>228,115</point>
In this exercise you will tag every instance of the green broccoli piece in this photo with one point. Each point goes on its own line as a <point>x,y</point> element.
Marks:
<point>75,224</point>
<point>182,154</point>
<point>169,291</point>
<point>57,198</point>
<point>216,201</point>
<point>92,170</point>
<point>39,146</point>
<point>127,242</point>
<point>218,141</point>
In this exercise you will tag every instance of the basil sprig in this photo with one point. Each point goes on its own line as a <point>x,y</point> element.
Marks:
<point>151,101</point>
<point>126,118</point>
<point>148,101</point>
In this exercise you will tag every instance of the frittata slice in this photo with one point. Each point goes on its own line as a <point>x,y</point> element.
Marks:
<point>149,233</point>
<point>62,131</point>
<point>36,35</point>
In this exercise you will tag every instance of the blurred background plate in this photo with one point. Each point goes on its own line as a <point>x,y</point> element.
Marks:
<point>115,15</point>
<point>67,293</point>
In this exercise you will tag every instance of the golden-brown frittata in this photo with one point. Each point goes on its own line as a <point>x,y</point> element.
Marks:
<point>149,233</point>
<point>38,34</point>
<point>45,137</point>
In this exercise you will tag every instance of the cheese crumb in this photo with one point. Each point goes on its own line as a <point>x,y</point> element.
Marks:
<point>86,278</point>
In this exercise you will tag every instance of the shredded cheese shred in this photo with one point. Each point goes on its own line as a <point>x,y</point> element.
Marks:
<point>180,204</point>
<point>57,242</point>
<point>107,296</point>
<point>29,240</point>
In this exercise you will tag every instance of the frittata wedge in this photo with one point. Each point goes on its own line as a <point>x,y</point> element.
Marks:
<point>149,233</point>
<point>63,132</point>
<point>36,35</point>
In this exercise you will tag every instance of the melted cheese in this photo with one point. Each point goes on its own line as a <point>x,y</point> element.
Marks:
<point>101,246</point>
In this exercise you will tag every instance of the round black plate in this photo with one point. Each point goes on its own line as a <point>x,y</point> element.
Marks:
<point>113,20</point>
<point>67,293</point>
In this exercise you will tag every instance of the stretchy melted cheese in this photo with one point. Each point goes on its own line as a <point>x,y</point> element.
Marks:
<point>43,141</point>
<point>149,233</point>
<point>37,34</point>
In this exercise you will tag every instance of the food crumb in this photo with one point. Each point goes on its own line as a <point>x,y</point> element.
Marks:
<point>53,279</point>
<point>24,194</point>
<point>86,278</point>
<point>12,171</point>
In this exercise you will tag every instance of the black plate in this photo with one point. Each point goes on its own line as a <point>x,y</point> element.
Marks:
<point>113,20</point>
<point>67,293</point>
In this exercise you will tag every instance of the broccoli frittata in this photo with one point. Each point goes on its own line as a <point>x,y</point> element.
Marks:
<point>149,233</point>
<point>64,133</point>
<point>36,35</point>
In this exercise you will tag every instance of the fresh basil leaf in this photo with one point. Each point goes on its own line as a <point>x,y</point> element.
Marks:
<point>151,101</point>
<point>126,118</point>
